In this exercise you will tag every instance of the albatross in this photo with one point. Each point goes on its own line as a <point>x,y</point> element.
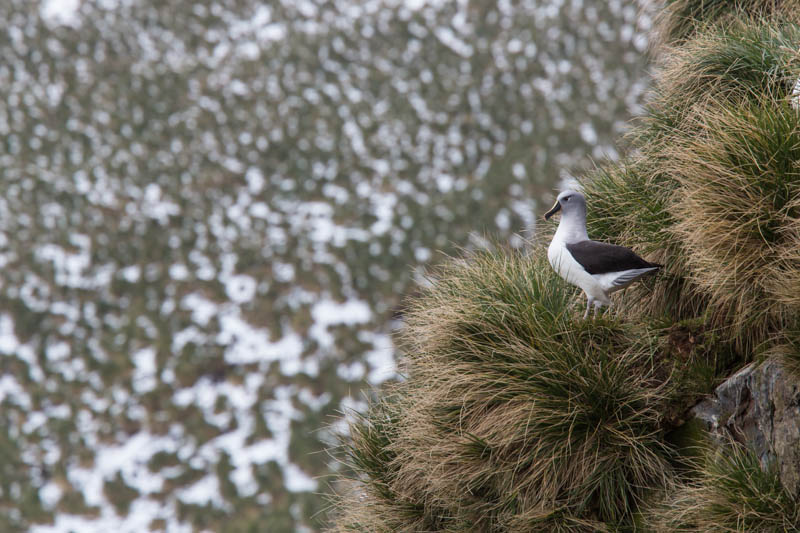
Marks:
<point>596,267</point>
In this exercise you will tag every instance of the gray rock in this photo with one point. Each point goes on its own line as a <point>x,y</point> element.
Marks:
<point>759,406</point>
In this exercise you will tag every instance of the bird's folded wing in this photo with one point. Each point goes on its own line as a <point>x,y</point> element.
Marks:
<point>629,276</point>
<point>601,258</point>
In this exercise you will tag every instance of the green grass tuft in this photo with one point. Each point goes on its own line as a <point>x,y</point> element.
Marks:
<point>681,20</point>
<point>732,493</point>
<point>724,65</point>
<point>369,500</point>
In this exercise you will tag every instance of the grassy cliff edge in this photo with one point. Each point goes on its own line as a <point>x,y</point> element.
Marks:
<point>516,415</point>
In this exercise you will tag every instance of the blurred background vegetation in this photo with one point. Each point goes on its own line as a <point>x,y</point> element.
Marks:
<point>211,211</point>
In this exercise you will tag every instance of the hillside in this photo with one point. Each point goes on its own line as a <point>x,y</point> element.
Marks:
<point>516,415</point>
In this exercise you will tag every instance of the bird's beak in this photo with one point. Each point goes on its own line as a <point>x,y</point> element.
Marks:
<point>553,210</point>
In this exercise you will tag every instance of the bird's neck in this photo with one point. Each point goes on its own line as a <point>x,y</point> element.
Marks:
<point>572,229</point>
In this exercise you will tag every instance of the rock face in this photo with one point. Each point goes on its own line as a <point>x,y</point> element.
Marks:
<point>759,406</point>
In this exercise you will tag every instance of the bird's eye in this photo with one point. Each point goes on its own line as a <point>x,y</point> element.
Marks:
<point>567,198</point>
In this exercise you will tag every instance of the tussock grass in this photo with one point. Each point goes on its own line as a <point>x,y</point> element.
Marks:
<point>682,19</point>
<point>552,410</point>
<point>732,493</point>
<point>724,65</point>
<point>516,415</point>
<point>737,207</point>
<point>369,501</point>
<point>746,59</point>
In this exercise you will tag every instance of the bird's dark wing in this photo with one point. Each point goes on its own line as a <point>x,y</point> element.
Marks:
<point>601,258</point>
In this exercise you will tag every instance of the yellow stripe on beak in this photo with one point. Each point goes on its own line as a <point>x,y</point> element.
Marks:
<point>553,210</point>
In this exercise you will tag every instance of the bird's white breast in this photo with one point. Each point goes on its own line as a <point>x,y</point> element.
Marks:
<point>572,271</point>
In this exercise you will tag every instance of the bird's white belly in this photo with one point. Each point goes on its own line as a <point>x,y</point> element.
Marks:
<point>569,269</point>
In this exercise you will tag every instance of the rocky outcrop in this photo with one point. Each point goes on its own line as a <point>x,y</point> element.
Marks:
<point>759,406</point>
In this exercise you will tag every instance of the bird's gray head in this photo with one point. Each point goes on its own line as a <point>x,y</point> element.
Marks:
<point>571,203</point>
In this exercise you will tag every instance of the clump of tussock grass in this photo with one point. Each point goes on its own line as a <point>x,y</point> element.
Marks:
<point>680,20</point>
<point>626,205</point>
<point>519,416</point>
<point>737,207</point>
<point>523,417</point>
<point>723,65</point>
<point>730,493</point>
<point>745,59</point>
<point>368,500</point>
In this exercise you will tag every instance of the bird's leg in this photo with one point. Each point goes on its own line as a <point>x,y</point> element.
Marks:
<point>589,302</point>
